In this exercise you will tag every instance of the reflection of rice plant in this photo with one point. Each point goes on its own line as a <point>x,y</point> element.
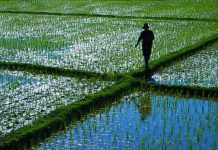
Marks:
<point>169,127</point>
<point>142,145</point>
<point>114,139</point>
<point>79,42</point>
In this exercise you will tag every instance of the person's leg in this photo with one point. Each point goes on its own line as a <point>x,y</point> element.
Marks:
<point>146,54</point>
<point>146,64</point>
<point>146,61</point>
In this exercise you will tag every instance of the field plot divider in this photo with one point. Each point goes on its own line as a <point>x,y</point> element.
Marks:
<point>174,57</point>
<point>58,119</point>
<point>40,69</point>
<point>183,91</point>
<point>108,16</point>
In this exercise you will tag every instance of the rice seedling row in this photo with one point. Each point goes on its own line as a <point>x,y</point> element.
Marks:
<point>198,70</point>
<point>143,120</point>
<point>25,97</point>
<point>105,45</point>
<point>92,44</point>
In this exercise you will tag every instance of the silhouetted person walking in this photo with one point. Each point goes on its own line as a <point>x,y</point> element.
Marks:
<point>147,37</point>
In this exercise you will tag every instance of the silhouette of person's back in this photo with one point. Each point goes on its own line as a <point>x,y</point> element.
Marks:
<point>147,37</point>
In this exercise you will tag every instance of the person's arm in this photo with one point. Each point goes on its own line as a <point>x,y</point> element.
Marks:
<point>139,39</point>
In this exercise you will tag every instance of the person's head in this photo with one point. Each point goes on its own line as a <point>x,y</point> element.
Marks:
<point>145,26</point>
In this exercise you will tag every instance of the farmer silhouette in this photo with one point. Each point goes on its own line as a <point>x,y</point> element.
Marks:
<point>147,37</point>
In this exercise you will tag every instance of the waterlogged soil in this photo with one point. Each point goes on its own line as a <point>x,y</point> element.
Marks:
<point>144,120</point>
<point>9,78</point>
<point>166,8</point>
<point>198,70</point>
<point>92,44</point>
<point>25,97</point>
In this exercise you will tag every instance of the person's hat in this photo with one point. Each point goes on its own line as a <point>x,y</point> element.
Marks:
<point>145,26</point>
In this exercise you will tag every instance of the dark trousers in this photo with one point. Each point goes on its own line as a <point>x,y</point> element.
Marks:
<point>146,54</point>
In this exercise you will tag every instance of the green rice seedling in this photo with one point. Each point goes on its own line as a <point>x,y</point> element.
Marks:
<point>30,96</point>
<point>199,70</point>
<point>161,9</point>
<point>168,125</point>
<point>103,45</point>
<point>81,43</point>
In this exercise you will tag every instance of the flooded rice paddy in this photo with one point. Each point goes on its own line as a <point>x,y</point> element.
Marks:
<point>25,97</point>
<point>144,121</point>
<point>200,69</point>
<point>167,8</point>
<point>104,44</point>
<point>8,78</point>
<point>92,44</point>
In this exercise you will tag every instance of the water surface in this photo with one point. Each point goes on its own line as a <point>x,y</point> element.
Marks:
<point>144,121</point>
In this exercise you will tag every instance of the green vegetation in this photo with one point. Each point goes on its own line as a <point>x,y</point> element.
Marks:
<point>30,97</point>
<point>145,120</point>
<point>41,69</point>
<point>79,57</point>
<point>198,70</point>
<point>60,117</point>
<point>97,44</point>
<point>137,8</point>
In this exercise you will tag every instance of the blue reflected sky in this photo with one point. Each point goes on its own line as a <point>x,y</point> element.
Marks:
<point>7,78</point>
<point>144,121</point>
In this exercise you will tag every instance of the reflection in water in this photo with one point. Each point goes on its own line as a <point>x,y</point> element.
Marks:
<point>7,78</point>
<point>144,106</point>
<point>144,121</point>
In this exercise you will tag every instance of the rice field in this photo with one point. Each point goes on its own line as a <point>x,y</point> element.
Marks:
<point>144,121</point>
<point>96,44</point>
<point>25,97</point>
<point>137,8</point>
<point>200,69</point>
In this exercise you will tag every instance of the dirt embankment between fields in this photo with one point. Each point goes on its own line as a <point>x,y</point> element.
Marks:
<point>60,118</point>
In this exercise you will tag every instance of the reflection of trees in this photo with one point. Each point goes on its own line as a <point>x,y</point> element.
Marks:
<point>144,106</point>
